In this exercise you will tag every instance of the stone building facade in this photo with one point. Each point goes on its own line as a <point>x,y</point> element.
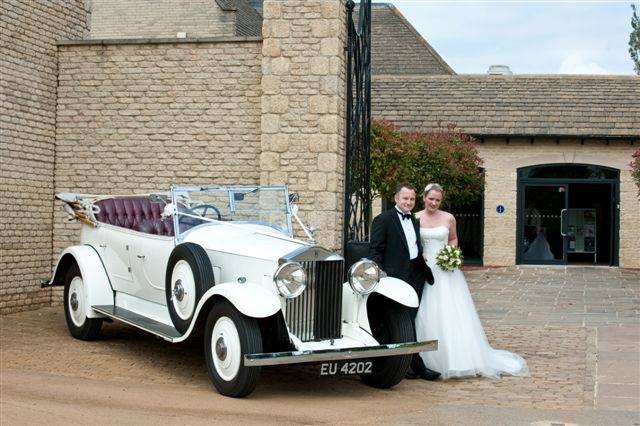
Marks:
<point>28,90</point>
<point>522,121</point>
<point>116,19</point>
<point>136,117</point>
<point>303,108</point>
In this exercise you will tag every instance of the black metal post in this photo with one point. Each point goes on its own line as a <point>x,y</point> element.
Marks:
<point>357,209</point>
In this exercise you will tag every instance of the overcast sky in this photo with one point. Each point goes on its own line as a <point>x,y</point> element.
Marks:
<point>531,37</point>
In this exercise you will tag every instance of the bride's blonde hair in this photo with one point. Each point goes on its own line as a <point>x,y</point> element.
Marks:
<point>433,187</point>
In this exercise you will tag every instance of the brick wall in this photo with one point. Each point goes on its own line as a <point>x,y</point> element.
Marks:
<point>135,118</point>
<point>303,116</point>
<point>117,19</point>
<point>29,31</point>
<point>501,162</point>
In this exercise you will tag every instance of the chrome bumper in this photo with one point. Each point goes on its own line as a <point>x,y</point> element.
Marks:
<point>298,357</point>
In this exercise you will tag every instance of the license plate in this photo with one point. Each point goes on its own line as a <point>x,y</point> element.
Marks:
<point>345,368</point>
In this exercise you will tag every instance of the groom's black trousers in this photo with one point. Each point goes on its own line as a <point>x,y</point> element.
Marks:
<point>416,280</point>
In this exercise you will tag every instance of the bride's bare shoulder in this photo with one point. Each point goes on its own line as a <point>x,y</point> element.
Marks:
<point>448,215</point>
<point>450,218</point>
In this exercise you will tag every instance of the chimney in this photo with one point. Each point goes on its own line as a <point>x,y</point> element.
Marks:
<point>499,70</point>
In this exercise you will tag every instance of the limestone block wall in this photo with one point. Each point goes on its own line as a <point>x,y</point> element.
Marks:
<point>118,19</point>
<point>135,118</point>
<point>29,31</point>
<point>501,162</point>
<point>303,117</point>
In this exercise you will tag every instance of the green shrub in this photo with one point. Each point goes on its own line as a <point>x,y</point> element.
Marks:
<point>446,156</point>
<point>635,168</point>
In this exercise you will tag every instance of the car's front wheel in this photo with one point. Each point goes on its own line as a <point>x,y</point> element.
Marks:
<point>390,323</point>
<point>229,335</point>
<point>75,307</point>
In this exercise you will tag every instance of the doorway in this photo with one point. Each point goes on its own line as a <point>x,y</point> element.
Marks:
<point>568,214</point>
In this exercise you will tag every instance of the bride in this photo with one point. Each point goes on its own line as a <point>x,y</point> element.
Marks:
<point>447,312</point>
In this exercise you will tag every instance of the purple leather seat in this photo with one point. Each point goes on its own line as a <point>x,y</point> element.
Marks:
<point>138,213</point>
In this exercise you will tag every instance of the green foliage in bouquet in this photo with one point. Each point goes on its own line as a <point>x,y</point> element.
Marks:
<point>446,156</point>
<point>449,258</point>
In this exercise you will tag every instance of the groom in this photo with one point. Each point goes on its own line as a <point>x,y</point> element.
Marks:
<point>395,246</point>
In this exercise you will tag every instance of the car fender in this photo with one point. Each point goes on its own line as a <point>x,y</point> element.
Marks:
<point>398,290</point>
<point>354,306</point>
<point>252,300</point>
<point>94,276</point>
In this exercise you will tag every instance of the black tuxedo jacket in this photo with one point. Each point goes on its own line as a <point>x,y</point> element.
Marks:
<point>389,249</point>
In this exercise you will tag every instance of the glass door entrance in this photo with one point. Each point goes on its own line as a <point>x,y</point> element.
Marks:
<point>542,231</point>
<point>568,214</point>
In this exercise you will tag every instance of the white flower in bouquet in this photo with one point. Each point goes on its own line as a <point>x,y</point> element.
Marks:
<point>449,258</point>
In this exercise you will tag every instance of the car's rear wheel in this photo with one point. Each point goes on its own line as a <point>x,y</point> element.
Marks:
<point>229,335</point>
<point>390,323</point>
<point>75,307</point>
<point>189,276</point>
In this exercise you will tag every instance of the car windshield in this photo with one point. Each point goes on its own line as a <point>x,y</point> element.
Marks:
<point>266,206</point>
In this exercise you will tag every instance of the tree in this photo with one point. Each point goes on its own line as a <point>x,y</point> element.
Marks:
<point>634,40</point>
<point>446,156</point>
<point>635,168</point>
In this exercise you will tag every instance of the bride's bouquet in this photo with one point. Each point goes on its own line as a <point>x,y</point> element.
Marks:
<point>449,258</point>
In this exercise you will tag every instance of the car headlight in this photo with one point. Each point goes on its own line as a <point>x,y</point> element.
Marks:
<point>291,279</point>
<point>364,276</point>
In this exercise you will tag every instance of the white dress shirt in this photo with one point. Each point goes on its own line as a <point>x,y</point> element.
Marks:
<point>410,234</point>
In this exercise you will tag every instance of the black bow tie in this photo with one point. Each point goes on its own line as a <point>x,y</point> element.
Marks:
<point>404,216</point>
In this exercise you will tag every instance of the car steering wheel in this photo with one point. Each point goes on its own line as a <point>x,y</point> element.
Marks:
<point>202,209</point>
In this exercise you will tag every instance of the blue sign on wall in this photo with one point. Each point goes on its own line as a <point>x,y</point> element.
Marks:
<point>500,208</point>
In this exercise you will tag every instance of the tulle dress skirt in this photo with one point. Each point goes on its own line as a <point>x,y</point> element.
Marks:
<point>447,313</point>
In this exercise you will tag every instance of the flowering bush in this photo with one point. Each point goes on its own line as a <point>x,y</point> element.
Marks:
<point>446,156</point>
<point>635,168</point>
<point>449,258</point>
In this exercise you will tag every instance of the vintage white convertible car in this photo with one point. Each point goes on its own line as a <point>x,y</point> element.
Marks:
<point>222,262</point>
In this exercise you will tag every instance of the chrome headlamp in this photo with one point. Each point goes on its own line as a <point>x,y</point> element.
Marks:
<point>291,279</point>
<point>364,276</point>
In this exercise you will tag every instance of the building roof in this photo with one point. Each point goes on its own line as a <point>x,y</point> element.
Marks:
<point>397,48</point>
<point>516,105</point>
<point>248,19</point>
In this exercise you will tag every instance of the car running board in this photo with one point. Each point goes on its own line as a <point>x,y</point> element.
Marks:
<point>165,331</point>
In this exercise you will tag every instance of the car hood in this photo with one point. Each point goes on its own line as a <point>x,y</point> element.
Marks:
<point>245,240</point>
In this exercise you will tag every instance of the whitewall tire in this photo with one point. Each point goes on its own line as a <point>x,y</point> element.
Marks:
<point>189,275</point>
<point>75,307</point>
<point>229,335</point>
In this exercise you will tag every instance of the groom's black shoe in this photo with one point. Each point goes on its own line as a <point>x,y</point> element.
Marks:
<point>428,374</point>
<point>411,375</point>
<point>418,367</point>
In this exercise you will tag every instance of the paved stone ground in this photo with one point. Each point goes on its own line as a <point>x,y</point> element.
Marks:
<point>578,329</point>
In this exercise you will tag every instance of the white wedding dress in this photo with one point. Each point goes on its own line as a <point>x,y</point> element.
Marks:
<point>447,313</point>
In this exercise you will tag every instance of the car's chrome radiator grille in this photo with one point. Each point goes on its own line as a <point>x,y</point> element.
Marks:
<point>317,313</point>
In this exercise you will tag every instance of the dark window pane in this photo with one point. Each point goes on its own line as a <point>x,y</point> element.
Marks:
<point>568,171</point>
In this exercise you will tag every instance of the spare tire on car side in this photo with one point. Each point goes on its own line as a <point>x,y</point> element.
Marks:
<point>189,275</point>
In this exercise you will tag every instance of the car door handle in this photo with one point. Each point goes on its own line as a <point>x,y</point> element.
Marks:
<point>140,256</point>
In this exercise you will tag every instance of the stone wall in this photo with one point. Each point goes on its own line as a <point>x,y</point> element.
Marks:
<point>117,19</point>
<point>135,118</point>
<point>303,108</point>
<point>501,162</point>
<point>29,32</point>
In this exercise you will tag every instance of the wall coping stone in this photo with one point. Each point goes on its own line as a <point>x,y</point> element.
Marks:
<point>121,41</point>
